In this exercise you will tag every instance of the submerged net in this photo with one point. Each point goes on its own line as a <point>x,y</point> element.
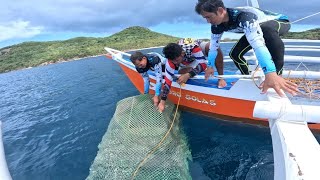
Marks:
<point>135,129</point>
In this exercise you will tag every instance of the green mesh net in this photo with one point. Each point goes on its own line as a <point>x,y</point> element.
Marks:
<point>135,129</point>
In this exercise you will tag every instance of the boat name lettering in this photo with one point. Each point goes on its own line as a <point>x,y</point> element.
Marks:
<point>204,101</point>
<point>175,93</point>
<point>195,98</point>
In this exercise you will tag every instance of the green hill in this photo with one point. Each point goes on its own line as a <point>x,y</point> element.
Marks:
<point>313,34</point>
<point>30,54</point>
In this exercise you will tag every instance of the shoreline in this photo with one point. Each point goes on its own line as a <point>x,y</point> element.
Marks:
<point>130,50</point>
<point>68,60</point>
<point>74,59</point>
<point>51,62</point>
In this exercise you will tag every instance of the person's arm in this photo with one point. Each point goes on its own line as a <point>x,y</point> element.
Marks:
<point>200,65</point>
<point>201,61</point>
<point>158,74</point>
<point>212,54</point>
<point>254,36</point>
<point>169,74</point>
<point>146,82</point>
<point>219,66</point>
<point>213,50</point>
<point>219,62</point>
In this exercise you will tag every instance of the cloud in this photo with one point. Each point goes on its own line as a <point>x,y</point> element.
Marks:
<point>109,16</point>
<point>18,29</point>
<point>96,15</point>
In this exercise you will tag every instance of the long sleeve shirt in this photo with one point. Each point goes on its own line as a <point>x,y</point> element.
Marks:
<point>200,65</point>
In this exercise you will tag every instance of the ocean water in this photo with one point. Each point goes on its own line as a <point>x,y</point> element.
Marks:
<point>55,116</point>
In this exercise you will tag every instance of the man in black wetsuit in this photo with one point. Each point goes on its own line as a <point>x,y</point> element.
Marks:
<point>262,31</point>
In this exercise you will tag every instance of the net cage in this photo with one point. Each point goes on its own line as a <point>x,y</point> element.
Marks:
<point>135,129</point>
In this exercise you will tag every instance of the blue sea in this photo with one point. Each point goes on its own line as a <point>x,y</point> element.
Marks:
<point>54,117</point>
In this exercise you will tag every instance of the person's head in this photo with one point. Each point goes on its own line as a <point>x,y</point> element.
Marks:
<point>187,45</point>
<point>213,11</point>
<point>174,53</point>
<point>139,59</point>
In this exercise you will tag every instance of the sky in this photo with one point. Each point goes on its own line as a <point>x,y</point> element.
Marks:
<point>47,20</point>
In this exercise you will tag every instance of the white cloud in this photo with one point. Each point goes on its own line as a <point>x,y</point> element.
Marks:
<point>108,17</point>
<point>18,29</point>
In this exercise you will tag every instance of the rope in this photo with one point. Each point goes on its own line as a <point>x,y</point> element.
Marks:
<point>308,86</point>
<point>161,141</point>
<point>305,17</point>
<point>252,77</point>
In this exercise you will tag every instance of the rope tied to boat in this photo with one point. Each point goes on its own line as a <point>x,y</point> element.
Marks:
<point>310,87</point>
<point>305,17</point>
<point>253,76</point>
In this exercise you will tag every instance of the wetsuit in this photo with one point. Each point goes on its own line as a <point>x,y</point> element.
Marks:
<point>262,31</point>
<point>196,60</point>
<point>154,63</point>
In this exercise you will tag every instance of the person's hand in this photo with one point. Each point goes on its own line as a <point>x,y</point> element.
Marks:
<point>222,83</point>
<point>161,106</point>
<point>209,72</point>
<point>155,100</point>
<point>276,82</point>
<point>183,78</point>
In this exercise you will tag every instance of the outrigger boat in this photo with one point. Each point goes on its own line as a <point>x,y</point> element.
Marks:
<point>295,149</point>
<point>238,101</point>
<point>4,171</point>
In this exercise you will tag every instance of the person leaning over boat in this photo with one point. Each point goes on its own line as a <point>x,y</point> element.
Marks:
<point>150,61</point>
<point>195,52</point>
<point>175,57</point>
<point>262,31</point>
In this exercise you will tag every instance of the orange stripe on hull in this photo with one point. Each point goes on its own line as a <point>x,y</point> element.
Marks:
<point>213,104</point>
<point>109,56</point>
<point>134,77</point>
<point>203,102</point>
<point>217,106</point>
